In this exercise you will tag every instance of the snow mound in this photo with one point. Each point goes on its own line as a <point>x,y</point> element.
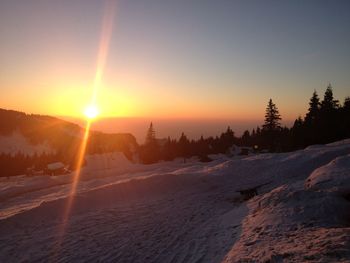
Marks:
<point>334,176</point>
<point>339,143</point>
<point>185,212</point>
<point>106,161</point>
<point>291,224</point>
<point>301,221</point>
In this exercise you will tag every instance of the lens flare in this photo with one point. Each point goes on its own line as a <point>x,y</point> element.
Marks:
<point>90,112</point>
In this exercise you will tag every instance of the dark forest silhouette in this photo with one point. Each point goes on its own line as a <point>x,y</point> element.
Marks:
<point>325,121</point>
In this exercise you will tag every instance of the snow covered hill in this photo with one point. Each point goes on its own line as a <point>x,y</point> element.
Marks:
<point>30,133</point>
<point>192,212</point>
<point>17,143</point>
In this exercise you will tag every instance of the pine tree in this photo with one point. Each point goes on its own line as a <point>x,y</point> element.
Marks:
<point>184,145</point>
<point>183,141</point>
<point>298,123</point>
<point>297,133</point>
<point>271,130</point>
<point>314,109</point>
<point>227,139</point>
<point>151,135</point>
<point>330,121</point>
<point>346,104</point>
<point>346,117</point>
<point>150,151</point>
<point>329,103</point>
<point>258,131</point>
<point>246,138</point>
<point>272,118</point>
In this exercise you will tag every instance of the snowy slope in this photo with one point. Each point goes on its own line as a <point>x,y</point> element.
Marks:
<point>176,212</point>
<point>17,143</point>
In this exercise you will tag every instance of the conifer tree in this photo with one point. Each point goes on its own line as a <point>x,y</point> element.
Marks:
<point>246,138</point>
<point>330,121</point>
<point>329,103</point>
<point>272,118</point>
<point>184,144</point>
<point>227,139</point>
<point>298,123</point>
<point>346,104</point>
<point>271,130</point>
<point>151,135</point>
<point>314,109</point>
<point>258,131</point>
<point>150,152</point>
<point>346,117</point>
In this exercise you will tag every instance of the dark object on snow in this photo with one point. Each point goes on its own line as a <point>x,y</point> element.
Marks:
<point>56,168</point>
<point>204,159</point>
<point>244,151</point>
<point>250,192</point>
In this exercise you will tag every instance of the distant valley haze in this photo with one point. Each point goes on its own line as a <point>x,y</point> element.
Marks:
<point>193,128</point>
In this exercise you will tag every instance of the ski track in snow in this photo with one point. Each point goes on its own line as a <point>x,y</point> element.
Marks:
<point>176,212</point>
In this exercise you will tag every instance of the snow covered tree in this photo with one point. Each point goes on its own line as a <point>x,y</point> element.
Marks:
<point>272,118</point>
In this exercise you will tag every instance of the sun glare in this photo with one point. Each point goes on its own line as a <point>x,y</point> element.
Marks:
<point>91,112</point>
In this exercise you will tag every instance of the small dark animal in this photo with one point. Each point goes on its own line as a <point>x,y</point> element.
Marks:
<point>250,192</point>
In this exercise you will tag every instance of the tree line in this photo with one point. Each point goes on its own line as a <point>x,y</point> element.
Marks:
<point>15,164</point>
<point>325,121</point>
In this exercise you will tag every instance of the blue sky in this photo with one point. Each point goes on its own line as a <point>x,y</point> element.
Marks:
<point>184,59</point>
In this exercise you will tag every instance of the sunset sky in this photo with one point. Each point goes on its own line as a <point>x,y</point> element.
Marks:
<point>172,59</point>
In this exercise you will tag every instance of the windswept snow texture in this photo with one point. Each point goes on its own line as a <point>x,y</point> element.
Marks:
<point>184,212</point>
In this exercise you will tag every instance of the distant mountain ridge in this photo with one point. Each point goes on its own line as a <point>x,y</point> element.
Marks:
<point>58,135</point>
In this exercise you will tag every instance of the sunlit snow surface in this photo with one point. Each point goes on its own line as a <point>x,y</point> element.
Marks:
<point>185,212</point>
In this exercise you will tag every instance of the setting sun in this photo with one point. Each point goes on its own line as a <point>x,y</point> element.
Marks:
<point>229,119</point>
<point>91,112</point>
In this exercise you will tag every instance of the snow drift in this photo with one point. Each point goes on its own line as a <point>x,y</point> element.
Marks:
<point>193,212</point>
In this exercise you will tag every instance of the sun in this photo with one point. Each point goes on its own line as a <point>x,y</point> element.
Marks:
<point>91,112</point>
